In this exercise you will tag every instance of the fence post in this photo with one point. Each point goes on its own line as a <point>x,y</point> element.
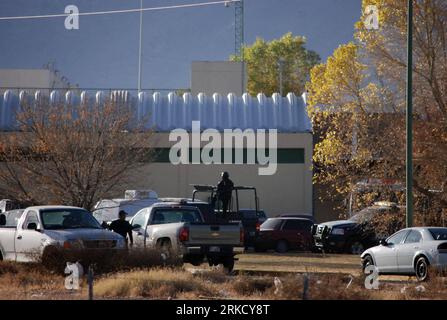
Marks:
<point>90,277</point>
<point>305,286</point>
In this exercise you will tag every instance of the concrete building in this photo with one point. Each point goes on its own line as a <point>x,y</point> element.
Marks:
<point>288,190</point>
<point>33,78</point>
<point>218,76</point>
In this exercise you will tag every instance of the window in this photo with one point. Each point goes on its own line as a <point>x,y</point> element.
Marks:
<point>413,237</point>
<point>68,219</point>
<point>12,218</point>
<point>140,219</point>
<point>31,218</point>
<point>438,233</point>
<point>162,216</point>
<point>261,214</point>
<point>293,224</point>
<point>397,237</point>
<point>271,224</point>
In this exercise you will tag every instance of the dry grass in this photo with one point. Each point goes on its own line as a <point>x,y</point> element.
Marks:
<point>154,283</point>
<point>104,262</point>
<point>29,281</point>
<point>32,281</point>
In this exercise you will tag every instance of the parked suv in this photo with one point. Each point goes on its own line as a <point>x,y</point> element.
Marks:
<point>354,235</point>
<point>285,233</point>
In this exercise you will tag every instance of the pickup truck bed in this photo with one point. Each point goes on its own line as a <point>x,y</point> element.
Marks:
<point>179,231</point>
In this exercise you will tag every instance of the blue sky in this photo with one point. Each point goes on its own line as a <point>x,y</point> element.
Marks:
<point>103,53</point>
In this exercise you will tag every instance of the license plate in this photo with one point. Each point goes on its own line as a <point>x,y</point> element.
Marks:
<point>214,249</point>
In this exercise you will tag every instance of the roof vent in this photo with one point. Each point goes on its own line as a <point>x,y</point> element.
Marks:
<point>140,194</point>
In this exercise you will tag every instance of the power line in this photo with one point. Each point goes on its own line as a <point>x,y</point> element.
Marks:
<point>96,13</point>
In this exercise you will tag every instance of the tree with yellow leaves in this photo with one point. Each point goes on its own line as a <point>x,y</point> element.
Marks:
<point>357,104</point>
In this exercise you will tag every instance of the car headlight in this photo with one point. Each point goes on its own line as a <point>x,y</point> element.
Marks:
<point>338,231</point>
<point>73,244</point>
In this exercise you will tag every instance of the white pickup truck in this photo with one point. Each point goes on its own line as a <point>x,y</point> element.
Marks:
<point>30,234</point>
<point>180,231</point>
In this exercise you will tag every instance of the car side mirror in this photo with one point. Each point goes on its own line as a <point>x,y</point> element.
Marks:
<point>2,219</point>
<point>383,242</point>
<point>32,226</point>
<point>136,226</point>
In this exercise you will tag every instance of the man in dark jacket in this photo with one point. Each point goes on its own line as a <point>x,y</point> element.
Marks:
<point>122,227</point>
<point>224,191</point>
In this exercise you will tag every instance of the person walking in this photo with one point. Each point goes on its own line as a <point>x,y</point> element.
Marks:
<point>122,227</point>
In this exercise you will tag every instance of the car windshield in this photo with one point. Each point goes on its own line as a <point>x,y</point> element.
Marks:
<point>55,219</point>
<point>271,224</point>
<point>366,214</point>
<point>438,233</point>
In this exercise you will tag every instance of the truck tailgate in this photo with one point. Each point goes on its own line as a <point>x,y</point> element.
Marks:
<point>222,234</point>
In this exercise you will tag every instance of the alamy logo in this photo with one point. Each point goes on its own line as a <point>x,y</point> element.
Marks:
<point>371,20</point>
<point>372,277</point>
<point>189,150</point>
<point>74,272</point>
<point>72,20</point>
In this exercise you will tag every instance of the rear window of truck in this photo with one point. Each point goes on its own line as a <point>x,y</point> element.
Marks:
<point>162,216</point>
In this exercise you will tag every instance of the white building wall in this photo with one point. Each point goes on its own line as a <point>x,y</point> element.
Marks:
<point>24,78</point>
<point>217,76</point>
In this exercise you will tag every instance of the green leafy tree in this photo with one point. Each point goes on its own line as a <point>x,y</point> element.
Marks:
<point>263,60</point>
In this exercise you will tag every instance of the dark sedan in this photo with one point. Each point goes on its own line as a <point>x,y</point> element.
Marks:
<point>285,233</point>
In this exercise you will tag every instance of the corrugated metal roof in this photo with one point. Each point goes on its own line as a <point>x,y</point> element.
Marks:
<point>167,112</point>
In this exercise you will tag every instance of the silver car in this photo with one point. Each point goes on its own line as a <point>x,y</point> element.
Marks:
<point>410,251</point>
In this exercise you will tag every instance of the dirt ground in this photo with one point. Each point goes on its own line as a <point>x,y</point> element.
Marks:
<point>256,276</point>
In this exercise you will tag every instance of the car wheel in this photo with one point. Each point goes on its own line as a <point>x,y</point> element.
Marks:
<point>367,261</point>
<point>260,249</point>
<point>356,247</point>
<point>165,248</point>
<point>421,269</point>
<point>282,246</point>
<point>228,264</point>
<point>195,260</point>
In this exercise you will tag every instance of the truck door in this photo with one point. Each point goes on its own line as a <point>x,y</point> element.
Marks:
<point>407,250</point>
<point>386,258</point>
<point>139,222</point>
<point>28,240</point>
<point>7,236</point>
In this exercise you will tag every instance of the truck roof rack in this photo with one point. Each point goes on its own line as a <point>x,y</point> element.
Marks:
<point>203,187</point>
<point>207,187</point>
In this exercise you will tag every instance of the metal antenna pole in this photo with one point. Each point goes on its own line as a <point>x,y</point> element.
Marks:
<point>140,47</point>
<point>409,129</point>
<point>239,36</point>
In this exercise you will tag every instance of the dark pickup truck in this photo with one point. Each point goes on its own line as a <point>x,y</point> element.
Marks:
<point>354,235</point>
<point>250,219</point>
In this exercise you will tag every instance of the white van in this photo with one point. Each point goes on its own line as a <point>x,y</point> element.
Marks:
<point>107,210</point>
<point>8,205</point>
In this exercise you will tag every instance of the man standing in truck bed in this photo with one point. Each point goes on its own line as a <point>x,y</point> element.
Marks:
<point>224,191</point>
